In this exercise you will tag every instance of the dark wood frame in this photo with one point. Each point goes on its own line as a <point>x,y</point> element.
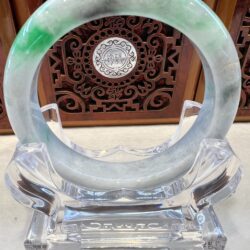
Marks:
<point>7,35</point>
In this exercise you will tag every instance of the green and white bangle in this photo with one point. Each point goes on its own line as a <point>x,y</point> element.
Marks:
<point>57,17</point>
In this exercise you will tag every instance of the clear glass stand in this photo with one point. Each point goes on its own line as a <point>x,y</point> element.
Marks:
<point>177,215</point>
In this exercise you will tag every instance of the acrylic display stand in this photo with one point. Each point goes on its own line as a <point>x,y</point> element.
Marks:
<point>178,215</point>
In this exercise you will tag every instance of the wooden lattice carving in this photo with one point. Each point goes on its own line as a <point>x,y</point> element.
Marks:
<point>2,106</point>
<point>242,44</point>
<point>80,89</point>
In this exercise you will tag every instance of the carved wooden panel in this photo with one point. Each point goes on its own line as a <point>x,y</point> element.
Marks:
<point>237,18</point>
<point>153,88</point>
<point>2,106</point>
<point>241,34</point>
<point>7,34</point>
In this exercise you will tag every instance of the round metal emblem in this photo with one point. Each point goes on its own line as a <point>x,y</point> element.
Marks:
<point>114,57</point>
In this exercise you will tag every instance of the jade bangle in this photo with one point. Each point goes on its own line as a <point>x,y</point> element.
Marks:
<point>54,19</point>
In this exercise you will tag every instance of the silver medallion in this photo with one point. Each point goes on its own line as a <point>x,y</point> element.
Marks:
<point>115,57</point>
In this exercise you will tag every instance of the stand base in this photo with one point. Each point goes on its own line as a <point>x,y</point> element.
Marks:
<point>122,228</point>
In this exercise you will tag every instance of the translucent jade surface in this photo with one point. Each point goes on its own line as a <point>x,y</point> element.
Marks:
<point>54,19</point>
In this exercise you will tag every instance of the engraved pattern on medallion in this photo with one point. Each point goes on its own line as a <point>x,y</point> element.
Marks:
<point>114,57</point>
<point>148,84</point>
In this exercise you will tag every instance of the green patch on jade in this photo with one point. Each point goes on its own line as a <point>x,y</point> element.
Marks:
<point>36,40</point>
